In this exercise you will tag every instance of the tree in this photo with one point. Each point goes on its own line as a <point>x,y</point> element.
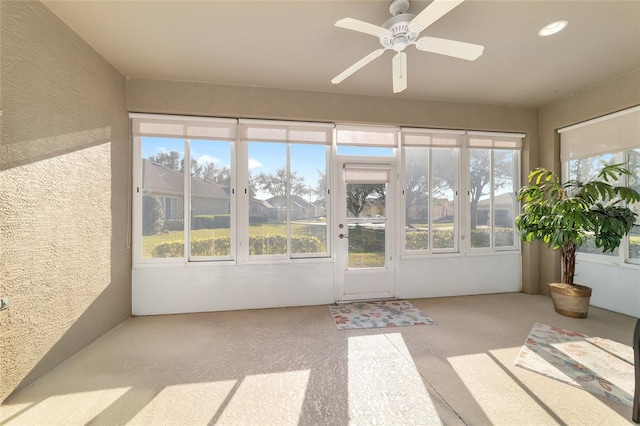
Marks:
<point>357,195</point>
<point>169,160</point>
<point>480,167</point>
<point>196,169</point>
<point>211,173</point>
<point>417,176</point>
<point>320,190</point>
<point>276,184</point>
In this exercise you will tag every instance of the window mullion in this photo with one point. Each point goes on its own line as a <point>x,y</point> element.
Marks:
<point>186,205</point>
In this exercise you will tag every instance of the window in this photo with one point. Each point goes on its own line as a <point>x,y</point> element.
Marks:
<point>493,173</point>
<point>169,207</point>
<point>286,188</point>
<point>585,148</point>
<point>189,172</point>
<point>175,207</point>
<point>162,197</point>
<point>633,164</point>
<point>430,190</point>
<point>585,169</point>
<point>210,195</point>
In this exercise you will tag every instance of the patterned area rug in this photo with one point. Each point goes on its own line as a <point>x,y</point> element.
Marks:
<point>600,366</point>
<point>377,314</point>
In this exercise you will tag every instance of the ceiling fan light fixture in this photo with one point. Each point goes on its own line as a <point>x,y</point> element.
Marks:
<point>553,28</point>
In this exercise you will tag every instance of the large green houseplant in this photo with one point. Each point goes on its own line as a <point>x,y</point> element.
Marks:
<point>563,215</point>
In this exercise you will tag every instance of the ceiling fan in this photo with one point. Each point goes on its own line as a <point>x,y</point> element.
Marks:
<point>402,30</point>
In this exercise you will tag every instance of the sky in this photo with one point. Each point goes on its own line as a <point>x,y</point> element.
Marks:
<point>263,157</point>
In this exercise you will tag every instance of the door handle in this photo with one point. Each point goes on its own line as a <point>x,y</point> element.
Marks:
<point>341,236</point>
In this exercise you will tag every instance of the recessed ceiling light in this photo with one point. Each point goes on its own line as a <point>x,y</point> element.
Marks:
<point>552,28</point>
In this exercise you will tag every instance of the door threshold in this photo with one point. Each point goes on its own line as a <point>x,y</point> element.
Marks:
<point>381,299</point>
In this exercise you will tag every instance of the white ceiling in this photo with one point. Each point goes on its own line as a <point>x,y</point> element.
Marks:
<point>295,45</point>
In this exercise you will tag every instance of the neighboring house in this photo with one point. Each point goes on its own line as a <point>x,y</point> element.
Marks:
<point>503,210</point>
<point>168,185</point>
<point>419,210</point>
<point>259,207</point>
<point>300,208</point>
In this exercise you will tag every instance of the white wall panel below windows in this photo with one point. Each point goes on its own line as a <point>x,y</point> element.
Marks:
<point>202,288</point>
<point>614,287</point>
<point>458,276</point>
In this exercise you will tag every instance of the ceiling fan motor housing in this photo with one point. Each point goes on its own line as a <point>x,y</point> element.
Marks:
<point>398,36</point>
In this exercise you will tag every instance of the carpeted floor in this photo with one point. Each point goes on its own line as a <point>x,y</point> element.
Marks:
<point>600,366</point>
<point>392,313</point>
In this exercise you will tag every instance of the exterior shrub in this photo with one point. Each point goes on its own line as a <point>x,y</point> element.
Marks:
<point>211,221</point>
<point>480,237</point>
<point>152,215</point>
<point>173,225</point>
<point>258,219</point>
<point>258,245</point>
<point>419,240</point>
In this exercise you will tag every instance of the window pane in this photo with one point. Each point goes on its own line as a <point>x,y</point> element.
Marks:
<point>162,197</point>
<point>480,190</point>
<point>210,198</point>
<point>366,221</point>
<point>503,198</point>
<point>417,198</point>
<point>308,165</point>
<point>443,199</point>
<point>634,182</point>
<point>267,198</point>
<point>583,170</point>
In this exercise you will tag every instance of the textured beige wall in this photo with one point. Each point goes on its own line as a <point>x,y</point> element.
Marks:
<point>605,98</point>
<point>64,186</point>
<point>170,97</point>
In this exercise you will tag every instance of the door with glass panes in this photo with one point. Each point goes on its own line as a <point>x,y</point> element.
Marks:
<point>365,230</point>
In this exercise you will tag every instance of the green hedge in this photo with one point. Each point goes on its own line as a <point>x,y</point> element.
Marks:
<point>258,245</point>
<point>174,225</point>
<point>419,240</point>
<point>210,221</point>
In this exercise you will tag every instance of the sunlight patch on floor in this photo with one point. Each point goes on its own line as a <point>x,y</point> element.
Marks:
<point>200,400</point>
<point>499,396</point>
<point>70,408</point>
<point>384,385</point>
<point>274,398</point>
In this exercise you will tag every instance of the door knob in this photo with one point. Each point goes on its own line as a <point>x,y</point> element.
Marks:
<point>341,236</point>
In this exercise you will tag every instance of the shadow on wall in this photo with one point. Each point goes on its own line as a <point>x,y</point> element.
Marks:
<point>66,255</point>
<point>65,191</point>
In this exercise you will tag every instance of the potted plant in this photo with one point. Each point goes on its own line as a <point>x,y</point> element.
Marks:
<point>563,215</point>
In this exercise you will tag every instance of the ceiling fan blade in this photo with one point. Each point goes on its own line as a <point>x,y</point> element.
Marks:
<point>456,49</point>
<point>436,10</point>
<point>399,65</point>
<point>361,26</point>
<point>355,67</point>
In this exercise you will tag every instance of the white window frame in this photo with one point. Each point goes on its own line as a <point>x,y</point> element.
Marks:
<point>431,139</point>
<point>287,133</point>
<point>491,141</point>
<point>180,128</point>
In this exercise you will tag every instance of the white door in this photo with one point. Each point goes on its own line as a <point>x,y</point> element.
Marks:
<point>365,230</point>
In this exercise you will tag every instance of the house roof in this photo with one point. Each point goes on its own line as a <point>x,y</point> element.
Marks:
<point>295,200</point>
<point>503,200</point>
<point>295,45</point>
<point>163,180</point>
